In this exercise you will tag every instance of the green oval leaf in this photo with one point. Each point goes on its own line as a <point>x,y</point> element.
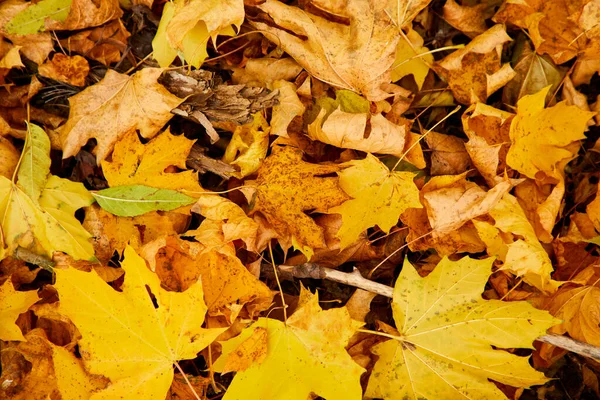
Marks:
<point>130,201</point>
<point>32,19</point>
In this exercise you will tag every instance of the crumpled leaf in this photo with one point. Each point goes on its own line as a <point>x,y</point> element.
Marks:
<point>286,187</point>
<point>475,71</point>
<point>378,197</point>
<point>524,257</point>
<point>347,130</point>
<point>448,154</point>
<point>133,200</point>
<point>544,138</point>
<point>37,211</point>
<point>70,69</point>
<point>104,44</point>
<point>306,352</point>
<point>114,106</point>
<point>13,303</point>
<point>248,146</point>
<point>186,26</point>
<point>356,57</point>
<point>134,163</point>
<point>446,333</point>
<point>469,19</point>
<point>288,108</point>
<point>139,343</point>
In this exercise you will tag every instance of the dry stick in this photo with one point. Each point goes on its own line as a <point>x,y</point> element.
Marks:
<point>354,278</point>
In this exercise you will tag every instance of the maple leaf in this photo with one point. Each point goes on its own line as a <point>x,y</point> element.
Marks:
<point>525,257</point>
<point>286,187</point>
<point>138,342</point>
<point>134,163</point>
<point>474,72</point>
<point>544,137</point>
<point>289,107</point>
<point>248,146</point>
<point>13,303</point>
<point>403,12</point>
<point>378,197</point>
<point>411,59</point>
<point>187,25</point>
<point>113,107</point>
<point>306,353</point>
<point>449,156</point>
<point>37,212</point>
<point>357,56</point>
<point>447,334</point>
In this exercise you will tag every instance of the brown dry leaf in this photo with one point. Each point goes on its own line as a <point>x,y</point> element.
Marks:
<point>111,233</point>
<point>226,282</point>
<point>9,157</point>
<point>36,46</point>
<point>593,210</point>
<point>469,19</point>
<point>68,69</point>
<point>134,163</point>
<point>248,146</point>
<point>348,131</point>
<point>105,44</point>
<point>180,390</point>
<point>541,204</point>
<point>286,187</point>
<point>578,307</point>
<point>113,107</point>
<point>451,201</point>
<point>550,24</point>
<point>356,57</point>
<point>403,12</point>
<point>288,108</point>
<point>86,14</point>
<point>475,71</point>
<point>448,154</point>
<point>533,73</point>
<point>264,72</point>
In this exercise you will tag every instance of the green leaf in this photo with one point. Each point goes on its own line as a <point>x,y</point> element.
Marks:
<point>129,201</point>
<point>35,162</point>
<point>31,20</point>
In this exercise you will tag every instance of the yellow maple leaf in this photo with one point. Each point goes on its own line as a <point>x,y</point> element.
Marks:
<point>447,331</point>
<point>114,106</point>
<point>138,342</point>
<point>36,213</point>
<point>248,146</point>
<point>542,138</point>
<point>134,163</point>
<point>13,303</point>
<point>378,197</point>
<point>524,257</point>
<point>355,56</point>
<point>286,187</point>
<point>187,25</point>
<point>306,353</point>
<point>411,59</point>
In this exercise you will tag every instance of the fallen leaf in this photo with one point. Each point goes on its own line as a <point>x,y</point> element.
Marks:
<point>469,18</point>
<point>264,72</point>
<point>134,163</point>
<point>286,187</point>
<point>306,352</point>
<point>542,204</point>
<point>85,14</point>
<point>475,71</point>
<point>288,108</point>
<point>450,339</point>
<point>139,343</point>
<point>356,57</point>
<point>403,12</point>
<point>72,70</point>
<point>113,107</point>
<point>9,158</point>
<point>542,138</point>
<point>37,211</point>
<point>449,156</point>
<point>412,58</point>
<point>104,44</point>
<point>378,197</point>
<point>134,200</point>
<point>32,19</point>
<point>248,146</point>
<point>186,26</point>
<point>13,303</point>
<point>251,351</point>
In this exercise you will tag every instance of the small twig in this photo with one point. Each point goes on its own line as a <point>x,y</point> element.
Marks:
<point>354,278</point>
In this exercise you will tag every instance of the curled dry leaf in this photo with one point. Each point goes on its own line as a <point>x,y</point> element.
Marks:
<point>104,44</point>
<point>469,19</point>
<point>70,69</point>
<point>13,303</point>
<point>248,146</point>
<point>448,154</point>
<point>475,71</point>
<point>357,56</point>
<point>288,108</point>
<point>113,107</point>
<point>9,158</point>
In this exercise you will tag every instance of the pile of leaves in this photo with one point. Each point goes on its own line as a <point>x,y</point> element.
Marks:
<point>204,199</point>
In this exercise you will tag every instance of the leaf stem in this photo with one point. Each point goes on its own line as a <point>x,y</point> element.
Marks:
<point>187,381</point>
